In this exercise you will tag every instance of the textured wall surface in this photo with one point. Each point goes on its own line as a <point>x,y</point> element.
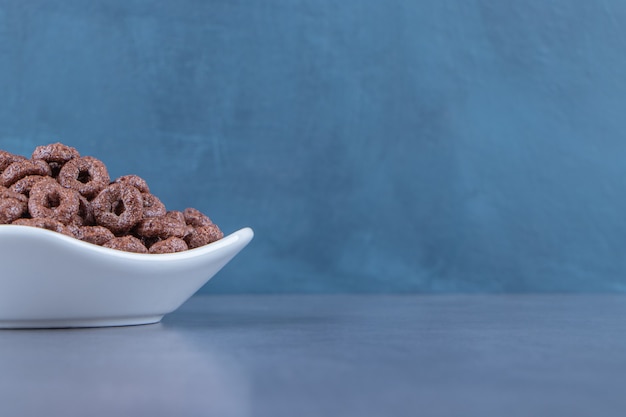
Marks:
<point>372,145</point>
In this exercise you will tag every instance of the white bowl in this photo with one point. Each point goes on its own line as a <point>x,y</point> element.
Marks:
<point>51,280</point>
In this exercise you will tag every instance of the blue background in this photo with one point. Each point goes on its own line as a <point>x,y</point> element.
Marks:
<point>394,146</point>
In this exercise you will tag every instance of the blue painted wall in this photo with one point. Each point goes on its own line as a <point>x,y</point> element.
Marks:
<point>432,146</point>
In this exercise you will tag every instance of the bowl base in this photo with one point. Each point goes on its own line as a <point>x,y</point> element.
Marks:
<point>74,323</point>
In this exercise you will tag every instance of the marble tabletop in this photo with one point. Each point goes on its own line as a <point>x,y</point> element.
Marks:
<point>331,355</point>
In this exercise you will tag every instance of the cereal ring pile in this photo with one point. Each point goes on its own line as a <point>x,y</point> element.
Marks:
<point>57,189</point>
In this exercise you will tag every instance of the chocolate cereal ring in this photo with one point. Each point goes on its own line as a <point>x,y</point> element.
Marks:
<point>12,205</point>
<point>48,224</point>
<point>169,245</point>
<point>98,235</point>
<point>24,185</point>
<point>118,207</point>
<point>134,180</point>
<point>74,230</point>
<point>126,243</point>
<point>18,170</point>
<point>176,216</point>
<point>7,158</point>
<point>48,199</point>
<point>152,206</point>
<point>196,218</point>
<point>163,227</point>
<point>87,175</point>
<point>55,152</point>
<point>203,236</point>
<point>56,155</point>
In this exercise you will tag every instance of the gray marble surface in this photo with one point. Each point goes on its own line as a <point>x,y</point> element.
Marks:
<point>523,355</point>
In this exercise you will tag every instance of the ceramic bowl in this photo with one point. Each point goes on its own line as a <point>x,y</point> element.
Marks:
<point>51,280</point>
